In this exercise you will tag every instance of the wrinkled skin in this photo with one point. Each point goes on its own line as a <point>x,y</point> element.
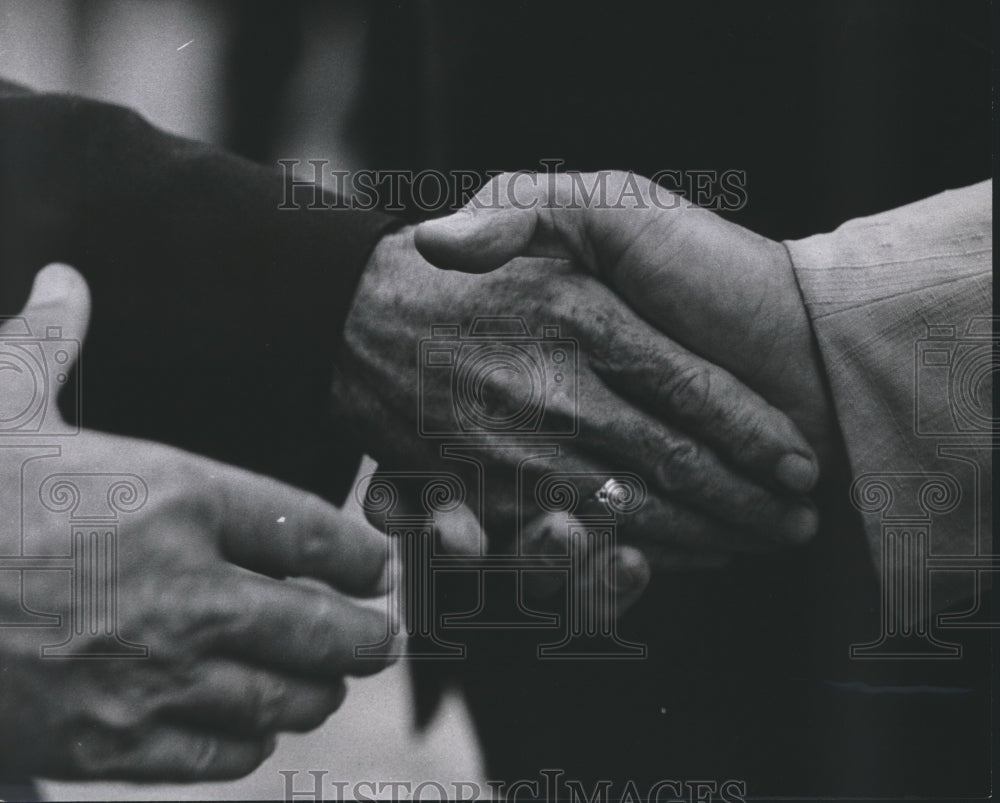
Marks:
<point>727,293</point>
<point>706,446</point>
<point>235,655</point>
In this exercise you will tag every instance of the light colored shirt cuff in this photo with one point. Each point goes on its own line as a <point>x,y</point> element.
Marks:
<point>900,303</point>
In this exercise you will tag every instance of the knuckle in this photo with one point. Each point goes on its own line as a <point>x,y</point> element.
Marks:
<point>678,463</point>
<point>746,433</point>
<point>317,536</point>
<point>688,391</point>
<point>579,302</point>
<point>191,628</point>
<point>202,754</point>
<point>322,632</point>
<point>757,507</point>
<point>615,352</point>
<point>193,610</point>
<point>269,702</point>
<point>129,710</point>
<point>196,500</point>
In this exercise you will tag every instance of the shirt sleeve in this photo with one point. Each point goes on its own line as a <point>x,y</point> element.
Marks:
<point>901,306</point>
<point>218,303</point>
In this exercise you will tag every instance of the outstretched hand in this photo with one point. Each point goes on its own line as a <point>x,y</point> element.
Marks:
<point>221,652</point>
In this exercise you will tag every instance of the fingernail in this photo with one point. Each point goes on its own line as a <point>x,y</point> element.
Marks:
<point>800,523</point>
<point>457,224</point>
<point>797,473</point>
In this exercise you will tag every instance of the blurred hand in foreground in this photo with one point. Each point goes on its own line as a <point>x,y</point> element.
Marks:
<point>235,654</point>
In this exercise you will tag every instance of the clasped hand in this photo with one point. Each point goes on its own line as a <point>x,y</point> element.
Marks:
<point>697,369</point>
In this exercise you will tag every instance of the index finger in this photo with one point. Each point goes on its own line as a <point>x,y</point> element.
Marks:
<point>279,530</point>
<point>298,628</point>
<point>39,348</point>
<point>676,385</point>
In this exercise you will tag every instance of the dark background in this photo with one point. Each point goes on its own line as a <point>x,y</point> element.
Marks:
<point>834,110</point>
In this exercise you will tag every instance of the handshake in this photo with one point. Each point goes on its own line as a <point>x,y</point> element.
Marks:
<point>687,359</point>
<point>697,367</point>
<point>696,371</point>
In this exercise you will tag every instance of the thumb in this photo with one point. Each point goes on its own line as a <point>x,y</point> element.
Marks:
<point>593,218</point>
<point>513,215</point>
<point>477,240</point>
<point>59,298</point>
<point>39,347</point>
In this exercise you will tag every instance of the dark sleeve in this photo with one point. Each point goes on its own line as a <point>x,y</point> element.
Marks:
<point>216,315</point>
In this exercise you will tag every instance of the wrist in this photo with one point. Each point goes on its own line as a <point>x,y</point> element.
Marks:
<point>813,407</point>
<point>380,295</point>
<point>379,290</point>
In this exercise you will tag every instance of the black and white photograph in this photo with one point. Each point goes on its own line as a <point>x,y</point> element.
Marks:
<point>500,400</point>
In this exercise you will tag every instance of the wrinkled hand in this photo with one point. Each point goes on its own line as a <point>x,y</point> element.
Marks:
<point>724,292</point>
<point>235,654</point>
<point>724,469</point>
